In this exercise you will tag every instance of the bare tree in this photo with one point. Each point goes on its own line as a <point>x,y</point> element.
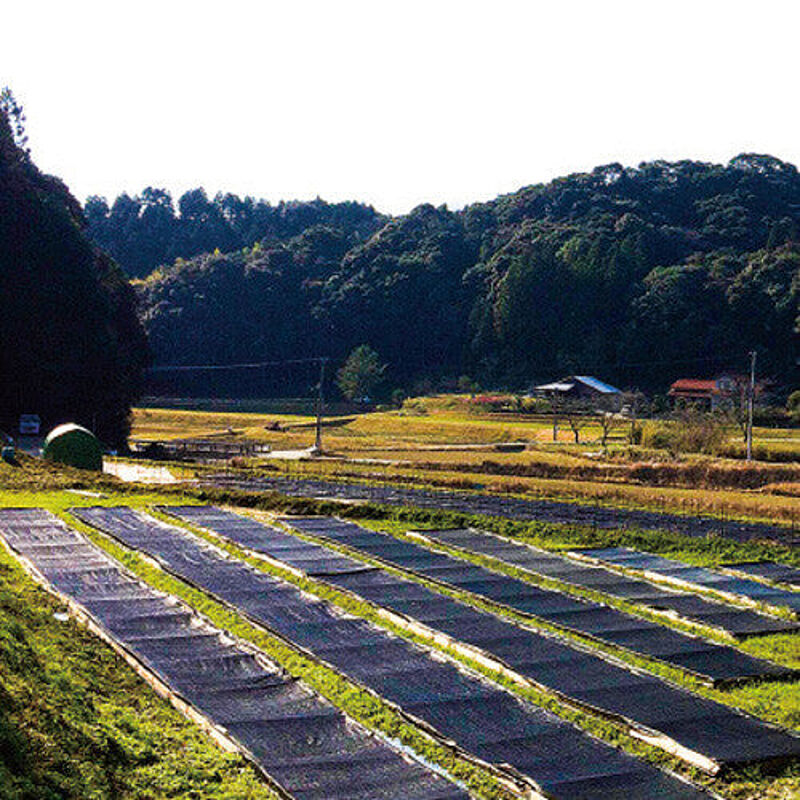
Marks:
<point>732,405</point>
<point>609,420</point>
<point>578,415</point>
<point>572,409</point>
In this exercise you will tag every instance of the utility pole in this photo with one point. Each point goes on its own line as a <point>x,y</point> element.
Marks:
<point>751,393</point>
<point>318,439</point>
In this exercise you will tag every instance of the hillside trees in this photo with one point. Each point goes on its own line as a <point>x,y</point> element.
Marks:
<point>146,231</point>
<point>640,275</point>
<point>257,304</point>
<point>404,291</point>
<point>71,346</point>
<point>716,309</point>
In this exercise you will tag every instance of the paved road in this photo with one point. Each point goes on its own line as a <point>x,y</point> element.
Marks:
<point>513,507</point>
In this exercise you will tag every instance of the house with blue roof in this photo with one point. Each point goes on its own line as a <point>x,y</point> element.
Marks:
<point>578,397</point>
<point>582,387</point>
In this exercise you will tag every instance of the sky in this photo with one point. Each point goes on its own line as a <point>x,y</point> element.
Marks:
<point>393,103</point>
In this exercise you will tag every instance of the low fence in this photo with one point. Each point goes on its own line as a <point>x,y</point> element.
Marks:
<point>197,449</point>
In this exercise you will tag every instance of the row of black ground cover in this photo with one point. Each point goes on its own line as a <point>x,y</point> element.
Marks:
<point>714,662</point>
<point>700,577</point>
<point>482,719</point>
<point>308,747</point>
<point>703,728</point>
<point>769,570</point>
<point>513,508</point>
<point>551,565</point>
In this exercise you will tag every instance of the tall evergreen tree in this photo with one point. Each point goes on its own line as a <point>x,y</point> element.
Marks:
<point>71,345</point>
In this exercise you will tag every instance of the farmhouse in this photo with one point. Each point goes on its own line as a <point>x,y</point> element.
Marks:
<point>709,393</point>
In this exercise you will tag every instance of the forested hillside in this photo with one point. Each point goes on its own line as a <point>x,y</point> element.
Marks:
<point>146,231</point>
<point>636,274</point>
<point>71,346</point>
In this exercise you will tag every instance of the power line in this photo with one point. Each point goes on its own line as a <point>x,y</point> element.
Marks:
<point>706,360</point>
<point>251,365</point>
<point>320,400</point>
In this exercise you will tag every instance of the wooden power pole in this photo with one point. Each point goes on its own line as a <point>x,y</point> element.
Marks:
<point>320,403</point>
<point>751,394</point>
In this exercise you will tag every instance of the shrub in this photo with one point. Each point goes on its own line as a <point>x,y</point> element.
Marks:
<point>415,407</point>
<point>658,436</point>
<point>691,432</point>
<point>635,433</point>
<point>467,386</point>
<point>793,406</point>
<point>536,405</point>
<point>774,416</point>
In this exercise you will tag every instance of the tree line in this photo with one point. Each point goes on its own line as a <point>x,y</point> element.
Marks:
<point>640,275</point>
<point>149,230</point>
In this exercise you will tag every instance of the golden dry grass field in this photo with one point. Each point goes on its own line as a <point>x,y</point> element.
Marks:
<point>443,441</point>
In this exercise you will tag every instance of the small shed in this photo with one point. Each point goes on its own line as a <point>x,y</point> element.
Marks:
<point>75,446</point>
<point>582,387</point>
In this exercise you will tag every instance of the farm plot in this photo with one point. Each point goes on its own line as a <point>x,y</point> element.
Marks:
<point>568,570</point>
<point>717,663</point>
<point>704,732</point>
<point>307,747</point>
<point>681,574</point>
<point>514,508</point>
<point>483,720</point>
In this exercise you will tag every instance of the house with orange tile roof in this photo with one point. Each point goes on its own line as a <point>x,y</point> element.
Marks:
<point>710,394</point>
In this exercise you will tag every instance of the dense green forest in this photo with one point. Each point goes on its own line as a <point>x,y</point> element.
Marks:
<point>147,231</point>
<point>71,345</point>
<point>638,275</point>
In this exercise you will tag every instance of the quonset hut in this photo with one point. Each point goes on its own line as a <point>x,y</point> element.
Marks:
<point>75,446</point>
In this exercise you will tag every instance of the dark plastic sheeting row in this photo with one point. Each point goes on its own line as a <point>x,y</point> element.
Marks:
<point>309,747</point>
<point>735,621</point>
<point>483,720</point>
<point>771,570</point>
<point>511,507</point>
<point>701,726</point>
<point>718,663</point>
<point>700,577</point>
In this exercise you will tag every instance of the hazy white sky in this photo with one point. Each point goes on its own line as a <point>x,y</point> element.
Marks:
<point>393,103</point>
